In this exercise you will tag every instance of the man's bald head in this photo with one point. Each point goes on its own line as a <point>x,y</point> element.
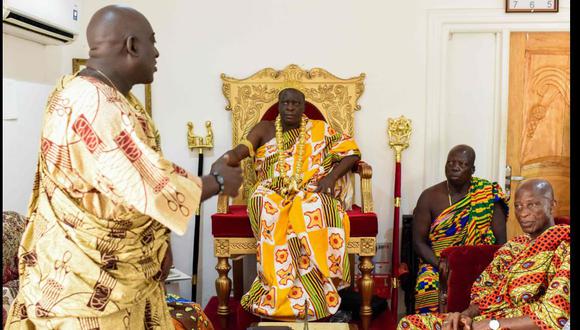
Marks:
<point>539,187</point>
<point>122,46</point>
<point>110,26</point>
<point>466,150</point>
<point>460,165</point>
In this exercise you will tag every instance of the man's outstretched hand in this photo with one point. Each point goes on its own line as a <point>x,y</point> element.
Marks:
<point>225,174</point>
<point>231,158</point>
<point>232,175</point>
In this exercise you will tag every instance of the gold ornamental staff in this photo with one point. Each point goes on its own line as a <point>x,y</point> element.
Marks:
<point>399,131</point>
<point>199,143</point>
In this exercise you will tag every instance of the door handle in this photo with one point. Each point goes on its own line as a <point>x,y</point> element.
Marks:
<point>509,178</point>
<point>508,181</point>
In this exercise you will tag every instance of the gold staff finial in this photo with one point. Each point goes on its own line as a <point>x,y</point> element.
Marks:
<point>399,132</point>
<point>198,142</point>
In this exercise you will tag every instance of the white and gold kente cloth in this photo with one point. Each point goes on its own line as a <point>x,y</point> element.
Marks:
<point>103,205</point>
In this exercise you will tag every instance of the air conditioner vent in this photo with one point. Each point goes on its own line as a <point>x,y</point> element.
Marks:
<point>53,22</point>
<point>26,20</point>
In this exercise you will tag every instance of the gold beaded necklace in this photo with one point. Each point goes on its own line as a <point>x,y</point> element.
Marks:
<point>291,185</point>
<point>448,193</point>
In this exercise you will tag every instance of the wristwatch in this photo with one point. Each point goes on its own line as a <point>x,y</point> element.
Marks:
<point>494,324</point>
<point>220,180</point>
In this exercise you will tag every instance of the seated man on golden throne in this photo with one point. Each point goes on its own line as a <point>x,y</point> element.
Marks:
<point>296,212</point>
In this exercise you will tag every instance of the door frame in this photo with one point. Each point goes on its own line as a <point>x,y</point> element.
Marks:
<point>442,24</point>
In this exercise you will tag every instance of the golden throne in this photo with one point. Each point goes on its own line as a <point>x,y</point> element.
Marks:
<point>253,99</point>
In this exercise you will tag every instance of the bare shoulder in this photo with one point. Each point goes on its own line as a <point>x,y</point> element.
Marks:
<point>265,128</point>
<point>261,128</point>
<point>433,191</point>
<point>262,132</point>
<point>264,124</point>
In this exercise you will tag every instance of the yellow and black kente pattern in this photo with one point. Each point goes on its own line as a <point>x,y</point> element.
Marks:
<point>301,252</point>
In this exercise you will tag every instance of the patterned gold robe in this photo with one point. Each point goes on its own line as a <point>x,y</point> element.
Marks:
<point>103,204</point>
<point>302,239</point>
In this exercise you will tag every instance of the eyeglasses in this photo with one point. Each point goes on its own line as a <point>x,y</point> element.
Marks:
<point>530,206</point>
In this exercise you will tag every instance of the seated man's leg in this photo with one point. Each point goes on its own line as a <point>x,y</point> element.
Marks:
<point>427,289</point>
<point>322,229</point>
<point>301,256</point>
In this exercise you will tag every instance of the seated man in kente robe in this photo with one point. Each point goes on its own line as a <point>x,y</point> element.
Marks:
<point>463,210</point>
<point>300,226</point>
<point>527,284</point>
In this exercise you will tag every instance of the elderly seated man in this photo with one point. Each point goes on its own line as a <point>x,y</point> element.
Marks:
<point>462,210</point>
<point>300,225</point>
<point>527,284</point>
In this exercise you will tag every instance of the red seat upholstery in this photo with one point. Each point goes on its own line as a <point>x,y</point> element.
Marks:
<point>464,264</point>
<point>562,220</point>
<point>235,223</point>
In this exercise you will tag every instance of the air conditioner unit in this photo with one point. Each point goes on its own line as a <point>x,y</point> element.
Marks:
<point>49,22</point>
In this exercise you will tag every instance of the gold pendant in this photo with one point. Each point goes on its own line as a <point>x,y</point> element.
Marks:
<point>293,187</point>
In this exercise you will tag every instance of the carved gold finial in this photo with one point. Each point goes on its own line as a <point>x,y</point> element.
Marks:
<point>399,131</point>
<point>199,142</point>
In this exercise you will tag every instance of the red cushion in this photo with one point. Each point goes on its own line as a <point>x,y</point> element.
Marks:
<point>562,220</point>
<point>465,264</point>
<point>310,111</point>
<point>362,224</point>
<point>236,223</point>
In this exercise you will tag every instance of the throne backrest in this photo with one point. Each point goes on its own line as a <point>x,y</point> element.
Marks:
<point>255,98</point>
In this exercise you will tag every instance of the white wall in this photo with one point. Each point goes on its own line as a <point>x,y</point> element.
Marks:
<point>199,40</point>
<point>28,72</point>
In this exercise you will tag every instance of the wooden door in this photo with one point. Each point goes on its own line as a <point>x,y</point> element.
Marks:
<point>538,139</point>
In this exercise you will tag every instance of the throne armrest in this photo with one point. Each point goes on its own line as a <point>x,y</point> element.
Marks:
<point>223,205</point>
<point>366,172</point>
